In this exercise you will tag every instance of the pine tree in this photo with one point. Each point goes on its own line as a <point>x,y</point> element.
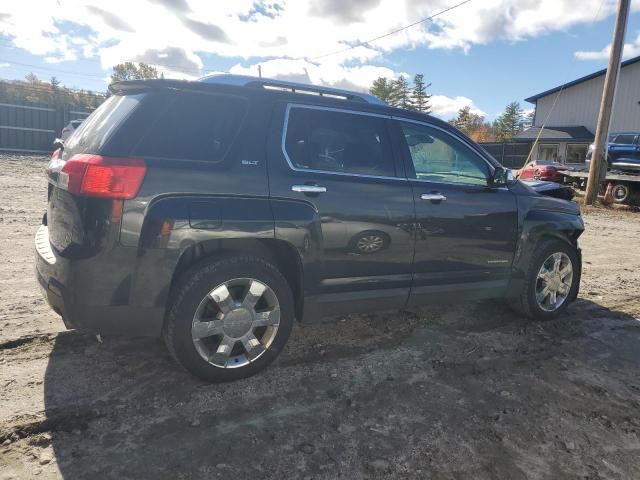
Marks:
<point>419,96</point>
<point>463,120</point>
<point>400,94</point>
<point>55,83</point>
<point>510,123</point>
<point>381,88</point>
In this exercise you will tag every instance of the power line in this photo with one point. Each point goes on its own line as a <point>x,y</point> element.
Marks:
<point>388,34</point>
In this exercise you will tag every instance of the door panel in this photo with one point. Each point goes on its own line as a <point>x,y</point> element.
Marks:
<point>466,232</point>
<point>365,211</point>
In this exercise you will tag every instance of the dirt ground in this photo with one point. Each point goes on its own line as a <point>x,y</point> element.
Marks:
<point>464,391</point>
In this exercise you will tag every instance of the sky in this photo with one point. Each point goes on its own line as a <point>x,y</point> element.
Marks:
<point>478,53</point>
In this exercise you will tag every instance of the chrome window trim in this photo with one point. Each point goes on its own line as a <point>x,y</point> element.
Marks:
<point>285,128</point>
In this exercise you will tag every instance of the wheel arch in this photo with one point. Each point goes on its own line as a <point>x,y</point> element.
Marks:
<point>280,253</point>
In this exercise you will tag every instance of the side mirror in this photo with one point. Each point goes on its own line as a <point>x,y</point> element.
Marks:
<point>502,177</point>
<point>58,143</point>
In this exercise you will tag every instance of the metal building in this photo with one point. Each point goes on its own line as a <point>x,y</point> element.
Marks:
<point>570,113</point>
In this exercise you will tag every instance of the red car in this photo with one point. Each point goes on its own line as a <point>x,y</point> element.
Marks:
<point>540,170</point>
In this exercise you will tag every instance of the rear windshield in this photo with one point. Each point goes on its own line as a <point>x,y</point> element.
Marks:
<point>96,129</point>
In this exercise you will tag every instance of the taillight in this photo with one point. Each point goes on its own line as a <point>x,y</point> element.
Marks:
<point>104,177</point>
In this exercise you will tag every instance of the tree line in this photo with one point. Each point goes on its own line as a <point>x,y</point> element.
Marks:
<point>506,126</point>
<point>398,93</point>
<point>51,92</point>
<point>34,90</point>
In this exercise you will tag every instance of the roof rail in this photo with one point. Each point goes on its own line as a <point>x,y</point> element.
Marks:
<point>294,87</point>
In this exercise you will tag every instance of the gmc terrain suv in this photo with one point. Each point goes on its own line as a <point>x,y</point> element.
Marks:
<point>216,212</point>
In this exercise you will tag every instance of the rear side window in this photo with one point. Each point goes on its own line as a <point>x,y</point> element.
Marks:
<point>625,139</point>
<point>339,142</point>
<point>96,129</point>
<point>194,127</point>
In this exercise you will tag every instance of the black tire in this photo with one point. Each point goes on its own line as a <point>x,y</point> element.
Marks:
<point>194,285</point>
<point>621,192</point>
<point>526,302</point>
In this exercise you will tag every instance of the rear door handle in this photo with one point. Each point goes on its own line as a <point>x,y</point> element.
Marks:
<point>308,189</point>
<point>434,197</point>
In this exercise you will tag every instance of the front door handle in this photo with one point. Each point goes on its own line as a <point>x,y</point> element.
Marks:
<point>434,197</point>
<point>308,189</point>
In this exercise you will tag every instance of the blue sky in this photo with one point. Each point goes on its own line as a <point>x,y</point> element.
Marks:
<point>484,53</point>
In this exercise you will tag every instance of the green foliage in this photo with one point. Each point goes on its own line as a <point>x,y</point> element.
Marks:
<point>510,123</point>
<point>34,90</point>
<point>420,97</point>
<point>381,88</point>
<point>399,93</point>
<point>131,71</point>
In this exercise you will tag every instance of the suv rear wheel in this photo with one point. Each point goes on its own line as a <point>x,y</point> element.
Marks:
<point>552,281</point>
<point>229,318</point>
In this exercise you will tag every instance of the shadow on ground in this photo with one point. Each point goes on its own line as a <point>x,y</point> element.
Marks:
<point>471,391</point>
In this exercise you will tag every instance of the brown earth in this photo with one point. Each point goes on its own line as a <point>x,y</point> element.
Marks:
<point>465,391</point>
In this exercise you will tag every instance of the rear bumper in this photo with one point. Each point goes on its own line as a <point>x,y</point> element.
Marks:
<point>93,294</point>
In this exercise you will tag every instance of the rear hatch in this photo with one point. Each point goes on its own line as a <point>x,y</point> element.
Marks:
<point>86,188</point>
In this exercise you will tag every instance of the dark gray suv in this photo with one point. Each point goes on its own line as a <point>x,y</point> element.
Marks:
<point>216,212</point>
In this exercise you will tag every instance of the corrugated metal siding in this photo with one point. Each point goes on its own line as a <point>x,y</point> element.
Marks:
<point>32,127</point>
<point>579,104</point>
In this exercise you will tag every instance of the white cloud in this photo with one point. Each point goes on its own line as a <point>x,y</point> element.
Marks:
<point>289,38</point>
<point>329,73</point>
<point>4,65</point>
<point>280,28</point>
<point>447,107</point>
<point>631,49</point>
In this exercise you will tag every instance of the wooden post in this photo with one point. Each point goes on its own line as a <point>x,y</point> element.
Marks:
<point>597,171</point>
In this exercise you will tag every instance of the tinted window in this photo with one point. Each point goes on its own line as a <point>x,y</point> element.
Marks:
<point>96,129</point>
<point>194,127</point>
<point>437,156</point>
<point>625,139</point>
<point>338,142</point>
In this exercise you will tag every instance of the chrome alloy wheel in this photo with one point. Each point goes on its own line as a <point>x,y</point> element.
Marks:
<point>370,243</point>
<point>554,281</point>
<point>236,323</point>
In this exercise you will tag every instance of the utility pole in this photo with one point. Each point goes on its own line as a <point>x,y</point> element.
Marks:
<point>598,167</point>
<point>259,71</point>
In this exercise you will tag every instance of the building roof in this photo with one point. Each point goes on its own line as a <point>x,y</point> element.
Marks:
<point>533,98</point>
<point>555,133</point>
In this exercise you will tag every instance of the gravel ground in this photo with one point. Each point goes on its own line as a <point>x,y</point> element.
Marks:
<point>464,391</point>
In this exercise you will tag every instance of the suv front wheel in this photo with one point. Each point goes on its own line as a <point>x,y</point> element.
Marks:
<point>229,318</point>
<point>552,280</point>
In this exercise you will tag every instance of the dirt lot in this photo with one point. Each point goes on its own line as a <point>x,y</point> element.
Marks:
<point>465,391</point>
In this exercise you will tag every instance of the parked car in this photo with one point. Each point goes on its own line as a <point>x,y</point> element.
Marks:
<point>540,170</point>
<point>623,152</point>
<point>69,129</point>
<point>214,213</point>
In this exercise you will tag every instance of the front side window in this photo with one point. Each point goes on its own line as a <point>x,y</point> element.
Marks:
<point>338,142</point>
<point>437,156</point>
